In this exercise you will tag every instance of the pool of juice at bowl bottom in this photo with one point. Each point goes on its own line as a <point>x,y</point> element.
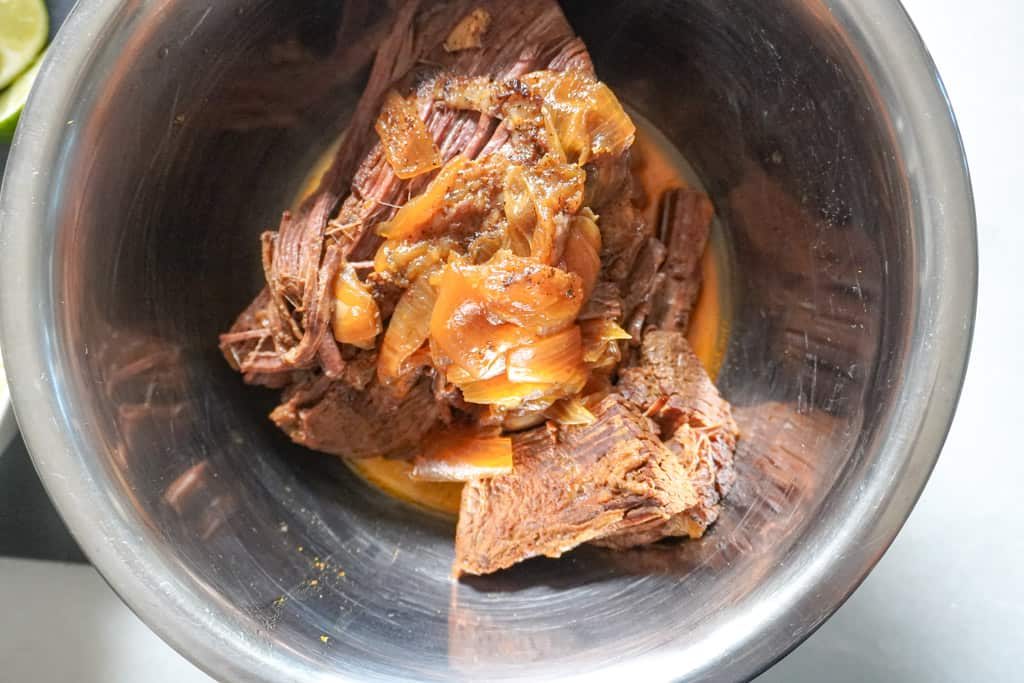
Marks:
<point>658,166</point>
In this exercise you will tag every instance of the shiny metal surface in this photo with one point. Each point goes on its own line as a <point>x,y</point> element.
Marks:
<point>165,135</point>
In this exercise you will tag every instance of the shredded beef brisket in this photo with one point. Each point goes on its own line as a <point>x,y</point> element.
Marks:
<point>334,417</point>
<point>656,461</point>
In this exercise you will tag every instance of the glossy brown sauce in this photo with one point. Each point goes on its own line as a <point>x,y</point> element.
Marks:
<point>658,167</point>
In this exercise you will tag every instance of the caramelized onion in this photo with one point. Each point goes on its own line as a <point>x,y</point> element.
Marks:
<point>419,212</point>
<point>601,339</point>
<point>463,454</point>
<point>557,192</point>
<point>556,360</point>
<point>408,329</point>
<point>570,411</point>
<point>503,393</point>
<point>408,146</point>
<point>588,118</point>
<point>583,250</point>
<point>356,315</point>
<point>518,420</point>
<point>468,33</point>
<point>520,211</point>
<point>508,252</point>
<point>410,260</point>
<point>462,332</point>
<point>522,291</point>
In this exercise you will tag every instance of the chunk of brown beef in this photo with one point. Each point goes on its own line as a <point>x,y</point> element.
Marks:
<point>605,302</point>
<point>287,327</point>
<point>385,291</point>
<point>569,486</point>
<point>624,232</point>
<point>668,381</point>
<point>643,281</point>
<point>659,273</point>
<point>670,385</point>
<point>334,417</point>
<point>666,276</point>
<point>684,229</point>
<point>625,237</point>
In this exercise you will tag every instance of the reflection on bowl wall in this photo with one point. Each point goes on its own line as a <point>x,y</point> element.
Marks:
<point>175,134</point>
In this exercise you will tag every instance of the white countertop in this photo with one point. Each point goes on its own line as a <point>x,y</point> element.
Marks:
<point>946,603</point>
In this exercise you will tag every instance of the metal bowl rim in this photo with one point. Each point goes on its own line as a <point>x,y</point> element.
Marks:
<point>200,631</point>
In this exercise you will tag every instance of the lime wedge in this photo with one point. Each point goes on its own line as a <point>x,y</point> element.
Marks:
<point>13,100</point>
<point>24,26</point>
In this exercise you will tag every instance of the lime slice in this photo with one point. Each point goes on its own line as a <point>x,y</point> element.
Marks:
<point>24,26</point>
<point>13,100</point>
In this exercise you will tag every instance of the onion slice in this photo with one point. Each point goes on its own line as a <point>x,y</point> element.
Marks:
<point>588,118</point>
<point>557,359</point>
<point>503,393</point>
<point>408,146</point>
<point>356,315</point>
<point>597,335</point>
<point>408,329</point>
<point>463,454</point>
<point>583,250</point>
<point>413,219</point>
<point>464,331</point>
<point>570,411</point>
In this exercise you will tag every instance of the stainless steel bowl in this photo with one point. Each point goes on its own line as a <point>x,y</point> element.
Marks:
<point>163,136</point>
